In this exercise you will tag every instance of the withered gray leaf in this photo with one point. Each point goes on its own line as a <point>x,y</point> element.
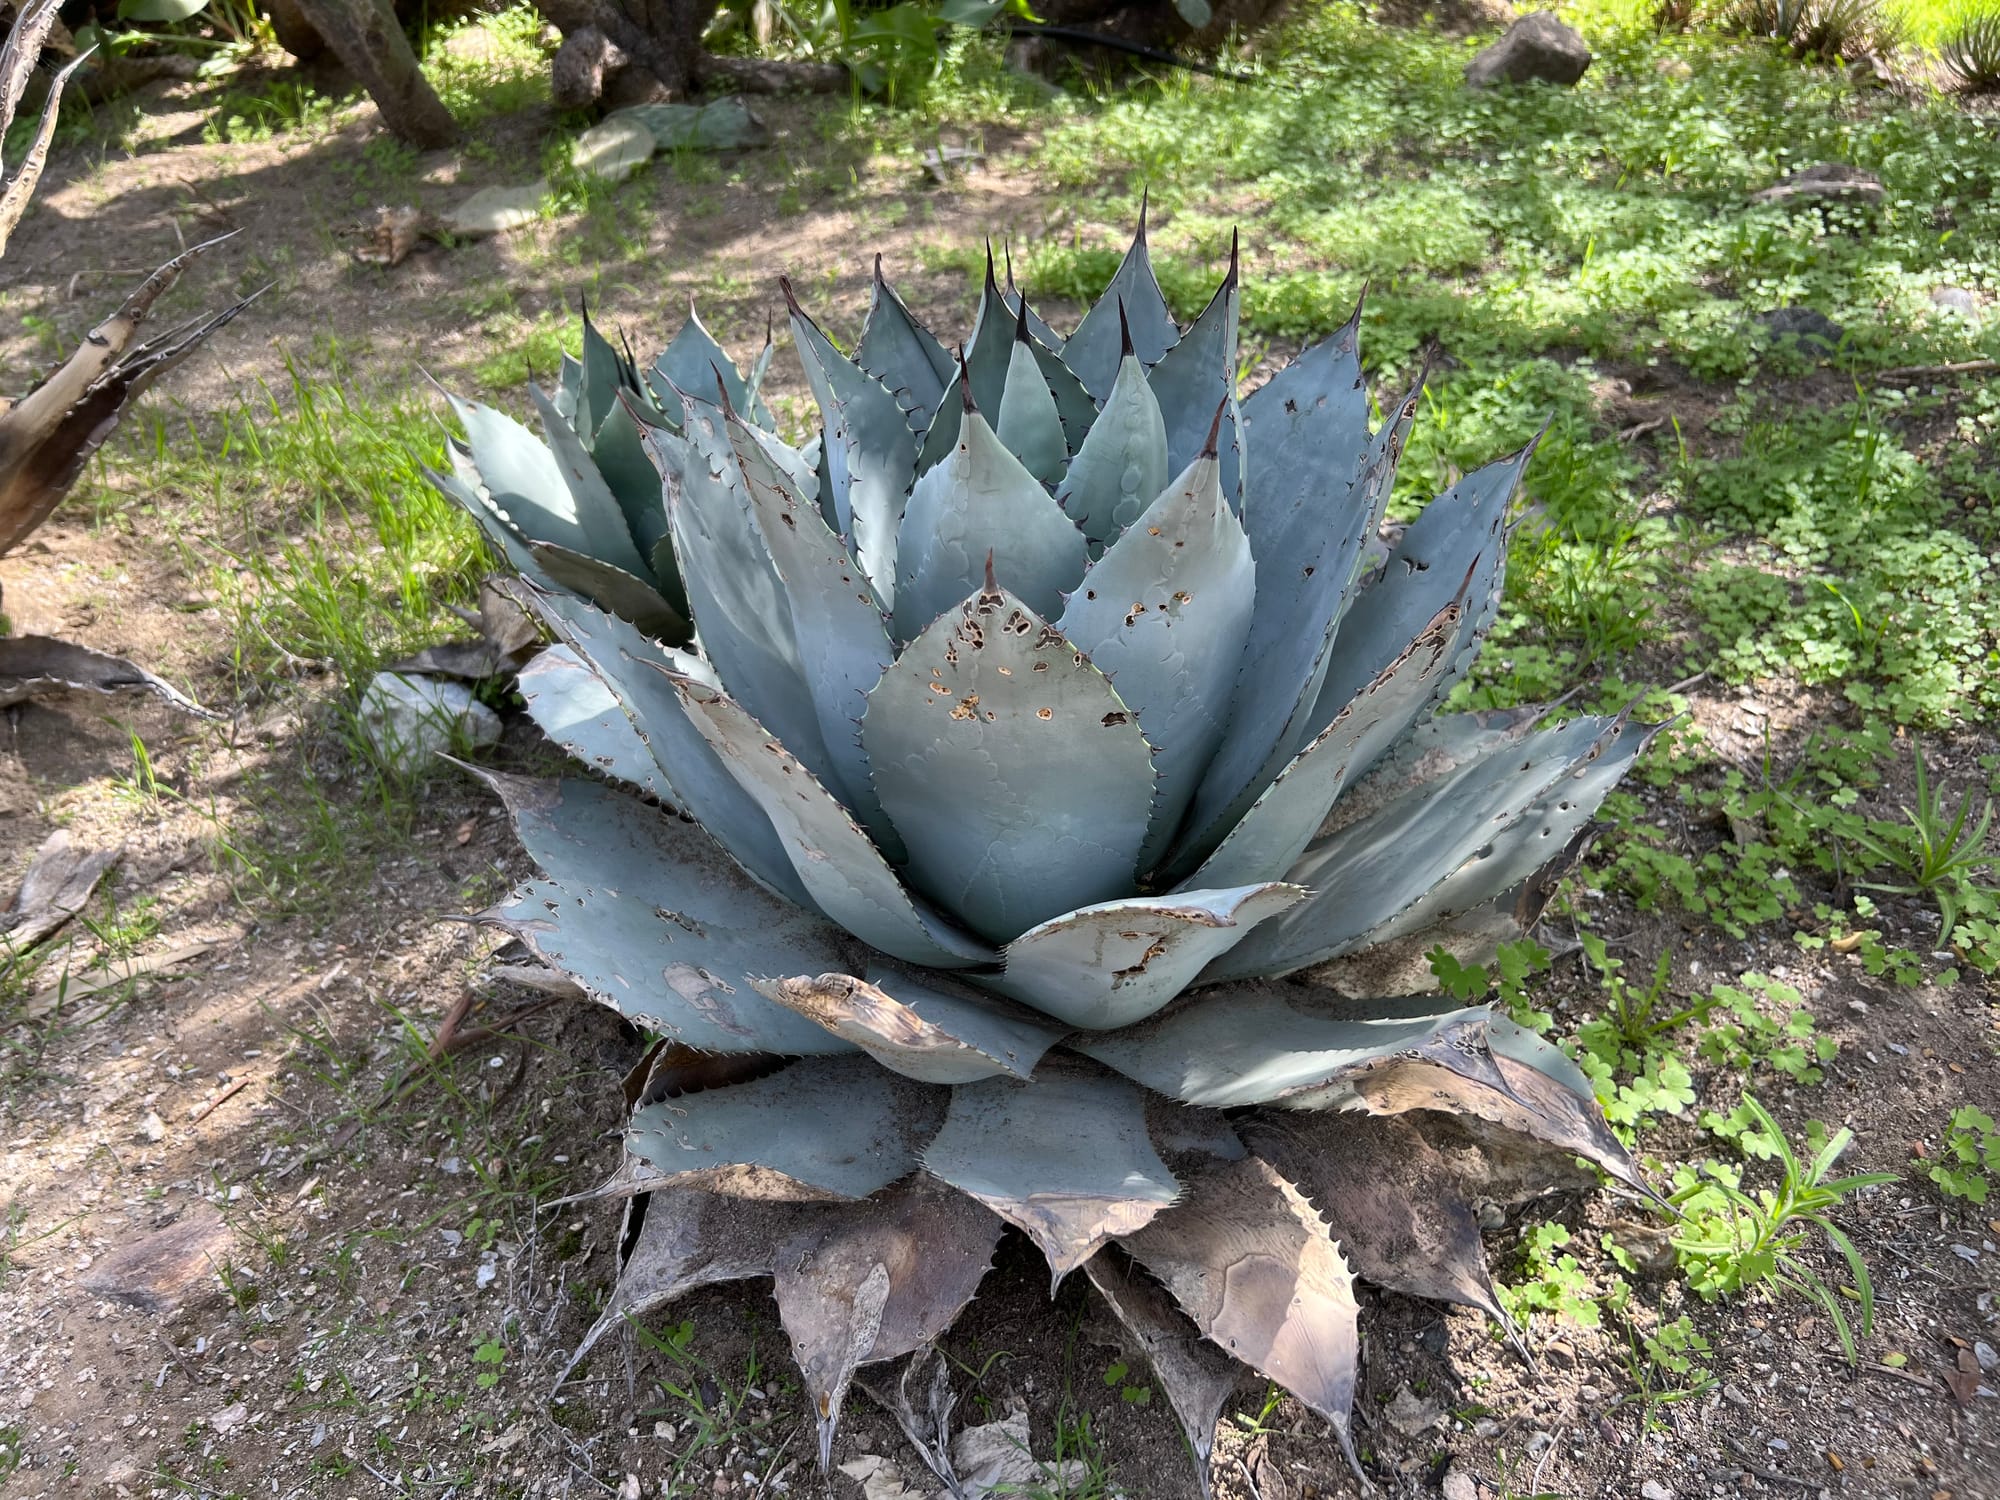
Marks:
<point>690,1239</point>
<point>1390,1200</point>
<point>1197,1377</point>
<point>1249,1260</point>
<point>873,1281</point>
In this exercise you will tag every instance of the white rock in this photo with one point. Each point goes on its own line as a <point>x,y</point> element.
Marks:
<point>495,210</point>
<point>1652,1489</point>
<point>410,719</point>
<point>613,150</point>
<point>153,1128</point>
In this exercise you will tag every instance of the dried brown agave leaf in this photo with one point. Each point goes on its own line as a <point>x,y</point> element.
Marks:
<point>873,1281</point>
<point>688,1239</point>
<point>48,435</point>
<point>1392,1203</point>
<point>895,1386</point>
<point>34,665</point>
<point>1252,1264</point>
<point>1197,1376</point>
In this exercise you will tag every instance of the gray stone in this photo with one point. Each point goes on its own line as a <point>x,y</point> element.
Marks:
<point>1459,1485</point>
<point>1823,182</point>
<point>1537,46</point>
<point>496,210</point>
<point>613,149</point>
<point>725,125</point>
<point>1955,299</point>
<point>1652,1489</point>
<point>1410,1414</point>
<point>411,719</point>
<point>1803,325</point>
<point>1982,1351</point>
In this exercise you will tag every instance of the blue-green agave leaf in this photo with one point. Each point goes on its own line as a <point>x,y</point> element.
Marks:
<point>1306,429</point>
<point>630,475</point>
<point>870,453</point>
<point>1074,404</point>
<point>839,865</point>
<point>611,588</point>
<point>1237,1045</point>
<point>699,785</point>
<point>1302,578</point>
<point>1028,425</point>
<point>905,356</point>
<point>990,350</point>
<point>1196,379</point>
<point>822,1127</point>
<point>1094,350</point>
<point>980,503</point>
<point>645,914</point>
<point>1526,843</point>
<point>1019,781</point>
<point>526,485</point>
<point>694,361</point>
<point>922,1027</point>
<point>1432,750</point>
<point>599,515</point>
<point>1251,1262</point>
<point>1164,614</point>
<point>1424,853</point>
<point>1457,545</point>
<point>1116,963</point>
<point>1064,1157</point>
<point>741,609</point>
<point>464,486</point>
<point>1272,835</point>
<point>568,394</point>
<point>571,705</point>
<point>1017,304</point>
<point>603,373</point>
<point>843,641</point>
<point>1122,465</point>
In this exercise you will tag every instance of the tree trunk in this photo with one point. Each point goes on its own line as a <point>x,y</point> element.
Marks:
<point>662,38</point>
<point>370,44</point>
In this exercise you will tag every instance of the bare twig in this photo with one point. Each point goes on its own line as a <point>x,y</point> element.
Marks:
<point>198,1115</point>
<point>1769,1476</point>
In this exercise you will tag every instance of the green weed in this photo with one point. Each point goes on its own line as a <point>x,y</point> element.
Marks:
<point>1731,1240</point>
<point>1971,1150</point>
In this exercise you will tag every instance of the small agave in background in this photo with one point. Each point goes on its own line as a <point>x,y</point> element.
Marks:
<point>48,435</point>
<point>1066,819</point>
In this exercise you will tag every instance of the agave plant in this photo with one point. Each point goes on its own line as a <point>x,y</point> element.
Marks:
<point>582,510</point>
<point>1064,822</point>
<point>48,435</point>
